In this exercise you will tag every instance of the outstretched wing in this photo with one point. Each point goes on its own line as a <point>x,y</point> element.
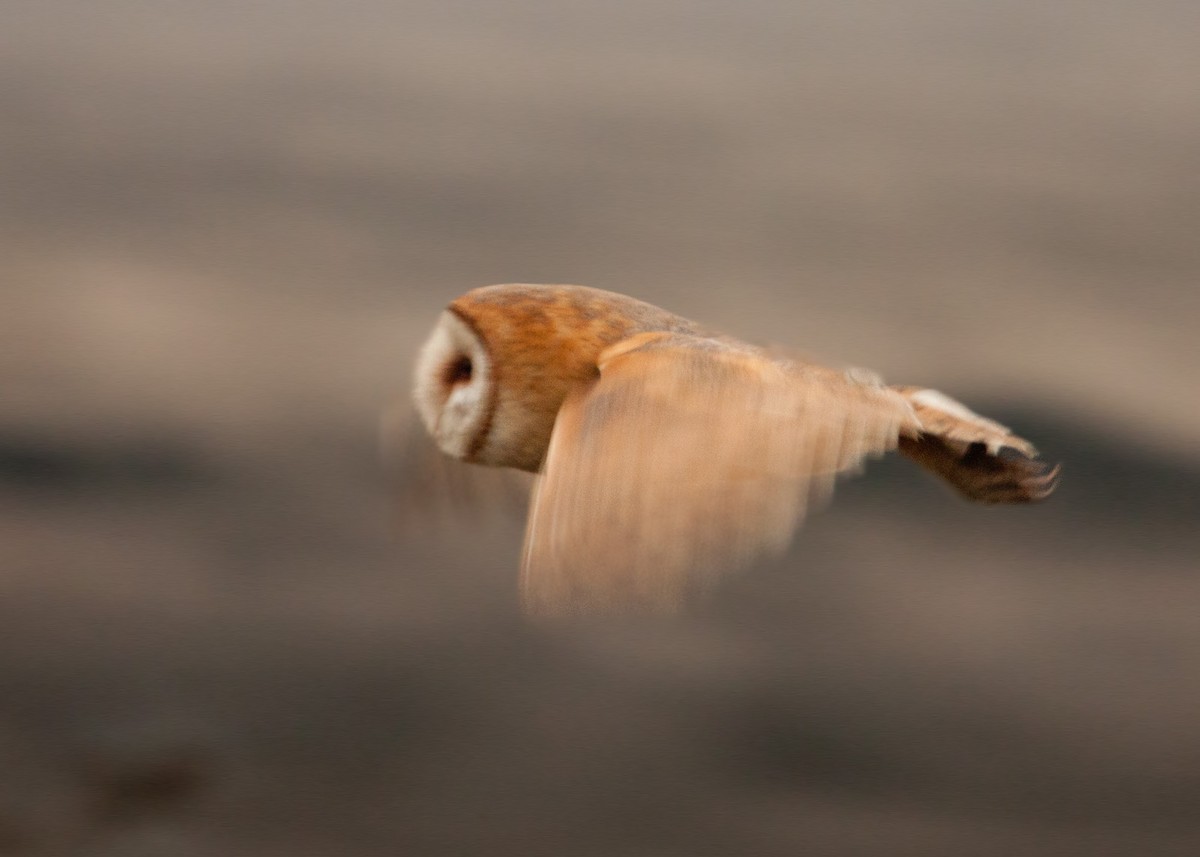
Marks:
<point>980,458</point>
<point>685,458</point>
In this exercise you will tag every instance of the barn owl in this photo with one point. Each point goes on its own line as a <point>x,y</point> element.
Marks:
<point>667,453</point>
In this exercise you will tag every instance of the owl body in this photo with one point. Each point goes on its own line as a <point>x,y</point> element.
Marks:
<point>667,453</point>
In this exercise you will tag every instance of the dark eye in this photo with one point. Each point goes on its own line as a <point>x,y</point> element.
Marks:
<point>458,371</point>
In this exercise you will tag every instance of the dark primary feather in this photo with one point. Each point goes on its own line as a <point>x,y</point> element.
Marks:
<point>1008,477</point>
<point>981,459</point>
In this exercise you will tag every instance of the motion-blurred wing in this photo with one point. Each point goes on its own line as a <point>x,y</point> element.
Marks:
<point>688,457</point>
<point>980,458</point>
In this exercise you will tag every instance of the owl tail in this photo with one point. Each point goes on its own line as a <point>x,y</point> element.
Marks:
<point>980,458</point>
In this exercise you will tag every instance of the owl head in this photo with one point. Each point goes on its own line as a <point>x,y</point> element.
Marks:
<point>494,372</point>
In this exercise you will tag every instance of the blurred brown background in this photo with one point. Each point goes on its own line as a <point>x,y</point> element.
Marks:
<point>224,228</point>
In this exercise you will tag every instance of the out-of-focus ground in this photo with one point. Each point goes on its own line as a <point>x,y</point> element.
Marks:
<point>224,228</point>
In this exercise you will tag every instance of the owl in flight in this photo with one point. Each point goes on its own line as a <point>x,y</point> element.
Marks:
<point>667,453</point>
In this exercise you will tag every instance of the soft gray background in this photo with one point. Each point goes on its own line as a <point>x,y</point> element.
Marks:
<point>224,228</point>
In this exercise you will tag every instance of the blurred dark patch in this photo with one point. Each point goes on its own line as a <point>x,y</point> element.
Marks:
<point>131,782</point>
<point>52,465</point>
